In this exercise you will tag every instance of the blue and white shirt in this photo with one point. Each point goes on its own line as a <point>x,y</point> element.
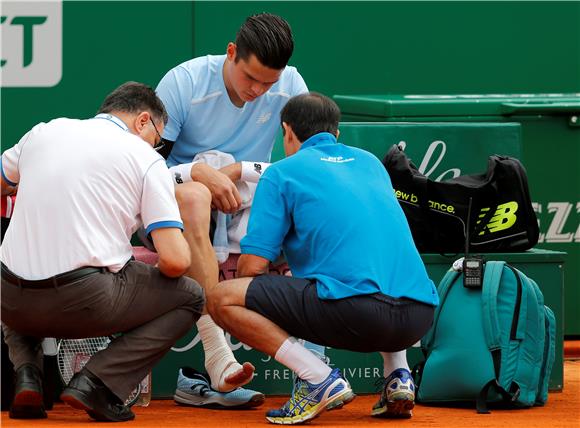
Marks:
<point>331,208</point>
<point>202,116</point>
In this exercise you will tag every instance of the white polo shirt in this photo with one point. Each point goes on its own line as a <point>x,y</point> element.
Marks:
<point>84,187</point>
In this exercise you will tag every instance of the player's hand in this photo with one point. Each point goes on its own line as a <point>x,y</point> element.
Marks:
<point>224,193</point>
<point>233,171</point>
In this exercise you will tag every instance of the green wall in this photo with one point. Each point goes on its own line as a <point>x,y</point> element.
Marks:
<point>341,48</point>
<point>104,45</point>
<point>417,47</point>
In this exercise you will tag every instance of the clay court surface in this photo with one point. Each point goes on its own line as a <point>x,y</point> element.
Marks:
<point>562,410</point>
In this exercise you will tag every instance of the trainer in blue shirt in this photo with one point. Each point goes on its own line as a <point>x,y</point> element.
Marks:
<point>328,207</point>
<point>358,281</point>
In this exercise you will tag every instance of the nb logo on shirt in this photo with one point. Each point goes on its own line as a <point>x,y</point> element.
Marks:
<point>178,178</point>
<point>258,168</point>
<point>263,118</point>
<point>336,159</point>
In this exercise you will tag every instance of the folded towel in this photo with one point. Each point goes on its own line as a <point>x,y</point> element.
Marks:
<point>230,229</point>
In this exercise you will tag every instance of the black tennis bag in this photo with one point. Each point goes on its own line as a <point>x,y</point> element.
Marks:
<point>502,218</point>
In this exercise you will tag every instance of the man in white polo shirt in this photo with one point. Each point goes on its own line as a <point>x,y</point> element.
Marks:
<point>84,187</point>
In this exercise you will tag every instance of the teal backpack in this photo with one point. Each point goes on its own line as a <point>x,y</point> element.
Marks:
<point>493,344</point>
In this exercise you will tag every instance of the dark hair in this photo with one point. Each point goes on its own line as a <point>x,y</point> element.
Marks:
<point>309,114</point>
<point>267,36</point>
<point>135,97</point>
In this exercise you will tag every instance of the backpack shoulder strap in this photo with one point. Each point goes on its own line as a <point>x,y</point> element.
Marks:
<point>491,280</point>
<point>491,327</point>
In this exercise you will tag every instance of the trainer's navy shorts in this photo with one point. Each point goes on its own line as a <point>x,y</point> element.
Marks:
<point>366,323</point>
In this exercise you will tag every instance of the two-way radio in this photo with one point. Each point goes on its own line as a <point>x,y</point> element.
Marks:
<point>472,265</point>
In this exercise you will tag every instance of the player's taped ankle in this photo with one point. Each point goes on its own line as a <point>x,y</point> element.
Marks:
<point>218,366</point>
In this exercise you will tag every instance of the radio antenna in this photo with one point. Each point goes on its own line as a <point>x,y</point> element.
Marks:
<point>468,227</point>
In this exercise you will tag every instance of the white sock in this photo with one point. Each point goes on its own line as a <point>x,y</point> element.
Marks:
<point>219,358</point>
<point>393,361</point>
<point>303,362</point>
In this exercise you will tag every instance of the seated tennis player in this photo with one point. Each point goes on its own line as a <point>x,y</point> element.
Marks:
<point>358,284</point>
<point>67,268</point>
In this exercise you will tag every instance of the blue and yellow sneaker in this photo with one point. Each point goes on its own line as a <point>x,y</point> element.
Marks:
<point>397,396</point>
<point>193,389</point>
<point>309,400</point>
<point>337,404</point>
<point>334,405</point>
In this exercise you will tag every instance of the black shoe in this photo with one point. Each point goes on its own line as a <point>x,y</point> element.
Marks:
<point>86,392</point>
<point>28,400</point>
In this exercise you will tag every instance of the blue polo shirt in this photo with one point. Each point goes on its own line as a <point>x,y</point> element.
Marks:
<point>331,208</point>
<point>202,116</point>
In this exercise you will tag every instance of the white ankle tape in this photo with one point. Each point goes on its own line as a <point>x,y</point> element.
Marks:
<point>218,355</point>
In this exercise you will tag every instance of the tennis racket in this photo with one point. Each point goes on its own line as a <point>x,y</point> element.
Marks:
<point>73,354</point>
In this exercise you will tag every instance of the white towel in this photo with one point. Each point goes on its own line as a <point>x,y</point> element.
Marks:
<point>230,229</point>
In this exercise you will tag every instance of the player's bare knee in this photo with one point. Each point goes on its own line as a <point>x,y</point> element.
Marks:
<point>219,297</point>
<point>193,197</point>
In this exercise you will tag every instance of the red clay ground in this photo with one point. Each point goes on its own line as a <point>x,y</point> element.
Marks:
<point>562,410</point>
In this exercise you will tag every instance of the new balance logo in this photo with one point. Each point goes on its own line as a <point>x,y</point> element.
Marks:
<point>503,218</point>
<point>336,159</point>
<point>264,118</point>
<point>178,178</point>
<point>258,168</point>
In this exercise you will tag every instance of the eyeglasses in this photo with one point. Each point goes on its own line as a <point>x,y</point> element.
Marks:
<point>158,146</point>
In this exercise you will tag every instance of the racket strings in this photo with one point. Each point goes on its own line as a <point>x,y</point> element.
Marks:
<point>73,354</point>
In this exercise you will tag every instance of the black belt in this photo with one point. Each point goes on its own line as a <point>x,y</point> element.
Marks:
<point>60,279</point>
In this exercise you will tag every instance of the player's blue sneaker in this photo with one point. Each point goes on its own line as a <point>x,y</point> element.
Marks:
<point>397,396</point>
<point>193,389</point>
<point>309,400</point>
